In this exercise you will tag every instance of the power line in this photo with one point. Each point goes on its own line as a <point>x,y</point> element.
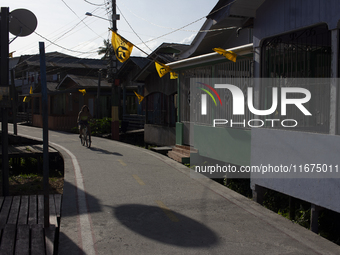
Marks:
<point>78,16</point>
<point>93,3</point>
<point>62,46</point>
<point>186,30</point>
<point>133,29</point>
<point>60,35</point>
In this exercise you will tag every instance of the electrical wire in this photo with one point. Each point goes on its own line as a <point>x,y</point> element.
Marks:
<point>186,30</point>
<point>93,3</point>
<point>133,29</point>
<point>78,16</point>
<point>62,46</point>
<point>62,34</point>
<point>181,28</point>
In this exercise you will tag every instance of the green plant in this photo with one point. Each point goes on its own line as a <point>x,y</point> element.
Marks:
<point>75,130</point>
<point>241,186</point>
<point>101,126</point>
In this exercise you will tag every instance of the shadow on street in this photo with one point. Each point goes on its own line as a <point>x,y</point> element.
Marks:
<point>105,151</point>
<point>152,222</point>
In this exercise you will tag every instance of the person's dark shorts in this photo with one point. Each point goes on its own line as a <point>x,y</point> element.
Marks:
<point>83,123</point>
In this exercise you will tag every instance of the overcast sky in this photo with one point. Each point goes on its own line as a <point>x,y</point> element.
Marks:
<point>59,21</point>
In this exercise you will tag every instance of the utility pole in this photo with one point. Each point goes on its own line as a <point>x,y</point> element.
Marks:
<point>114,16</point>
<point>115,95</point>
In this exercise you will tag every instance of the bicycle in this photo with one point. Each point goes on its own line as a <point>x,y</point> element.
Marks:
<point>85,139</point>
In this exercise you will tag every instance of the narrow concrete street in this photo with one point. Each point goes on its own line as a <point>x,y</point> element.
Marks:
<point>122,199</point>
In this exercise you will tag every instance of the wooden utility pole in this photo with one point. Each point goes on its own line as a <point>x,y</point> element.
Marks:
<point>115,96</point>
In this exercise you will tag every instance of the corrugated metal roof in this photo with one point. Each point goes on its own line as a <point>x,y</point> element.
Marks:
<point>165,53</point>
<point>140,61</point>
<point>226,14</point>
<point>60,60</point>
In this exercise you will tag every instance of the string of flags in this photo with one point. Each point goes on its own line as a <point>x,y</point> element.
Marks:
<point>28,98</point>
<point>83,91</point>
<point>226,53</point>
<point>123,49</point>
<point>11,54</point>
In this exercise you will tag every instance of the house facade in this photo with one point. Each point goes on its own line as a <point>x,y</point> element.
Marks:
<point>66,75</point>
<point>290,40</point>
<point>300,39</point>
<point>160,97</point>
<point>132,111</point>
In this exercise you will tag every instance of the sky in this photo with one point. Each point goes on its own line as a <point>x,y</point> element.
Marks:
<point>145,23</point>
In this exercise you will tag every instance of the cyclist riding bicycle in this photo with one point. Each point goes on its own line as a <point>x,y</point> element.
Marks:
<point>83,120</point>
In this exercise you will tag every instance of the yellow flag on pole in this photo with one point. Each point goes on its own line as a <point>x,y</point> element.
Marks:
<point>140,97</point>
<point>162,69</point>
<point>31,90</point>
<point>122,47</point>
<point>228,54</point>
<point>82,91</point>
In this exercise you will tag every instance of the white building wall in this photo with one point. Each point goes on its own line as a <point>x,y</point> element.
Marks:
<point>277,147</point>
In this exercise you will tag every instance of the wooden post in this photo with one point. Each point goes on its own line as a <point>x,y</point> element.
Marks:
<point>334,82</point>
<point>4,83</point>
<point>258,194</point>
<point>314,218</point>
<point>14,100</point>
<point>98,93</point>
<point>292,202</point>
<point>45,134</point>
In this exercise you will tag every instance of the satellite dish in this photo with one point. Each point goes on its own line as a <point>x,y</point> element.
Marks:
<point>22,22</point>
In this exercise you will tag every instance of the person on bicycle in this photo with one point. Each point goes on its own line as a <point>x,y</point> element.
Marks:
<point>84,117</point>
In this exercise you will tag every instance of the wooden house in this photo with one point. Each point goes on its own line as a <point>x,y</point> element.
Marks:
<point>228,26</point>
<point>65,76</point>
<point>66,98</point>
<point>132,112</point>
<point>289,40</point>
<point>160,96</point>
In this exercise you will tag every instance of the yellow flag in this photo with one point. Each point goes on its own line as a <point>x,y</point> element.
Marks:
<point>140,97</point>
<point>31,90</point>
<point>26,99</point>
<point>228,54</point>
<point>82,91</point>
<point>162,69</point>
<point>122,47</point>
<point>173,75</point>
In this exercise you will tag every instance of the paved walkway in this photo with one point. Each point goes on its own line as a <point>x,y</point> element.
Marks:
<point>121,199</point>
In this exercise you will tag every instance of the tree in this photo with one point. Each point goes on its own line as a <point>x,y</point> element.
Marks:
<point>106,50</point>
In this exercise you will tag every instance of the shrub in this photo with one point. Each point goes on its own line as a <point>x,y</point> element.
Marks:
<point>100,126</point>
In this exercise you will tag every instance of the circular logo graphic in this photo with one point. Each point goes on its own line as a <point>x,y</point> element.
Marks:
<point>122,52</point>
